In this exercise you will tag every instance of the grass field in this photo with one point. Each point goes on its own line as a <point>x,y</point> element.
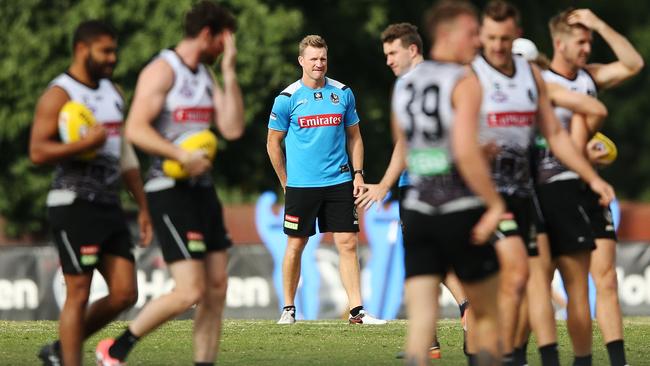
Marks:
<point>249,342</point>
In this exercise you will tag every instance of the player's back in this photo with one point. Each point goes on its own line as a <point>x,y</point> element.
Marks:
<point>422,103</point>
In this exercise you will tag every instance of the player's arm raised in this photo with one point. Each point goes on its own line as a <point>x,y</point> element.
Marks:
<point>469,157</point>
<point>44,146</point>
<point>229,102</point>
<point>629,61</point>
<point>154,83</point>
<point>561,145</point>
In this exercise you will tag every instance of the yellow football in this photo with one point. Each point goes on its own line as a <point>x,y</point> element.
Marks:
<point>191,141</point>
<point>603,143</point>
<point>74,121</point>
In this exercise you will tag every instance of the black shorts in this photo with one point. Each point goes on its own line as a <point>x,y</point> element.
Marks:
<point>602,223</point>
<point>84,231</point>
<point>567,223</point>
<point>402,194</point>
<point>332,205</point>
<point>188,221</point>
<point>434,244</point>
<point>538,218</point>
<point>518,221</point>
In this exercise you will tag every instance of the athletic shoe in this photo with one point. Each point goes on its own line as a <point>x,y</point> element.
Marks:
<point>434,351</point>
<point>50,355</point>
<point>103,357</point>
<point>363,318</point>
<point>288,316</point>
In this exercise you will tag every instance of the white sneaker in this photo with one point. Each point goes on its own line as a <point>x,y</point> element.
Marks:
<point>288,316</point>
<point>364,318</point>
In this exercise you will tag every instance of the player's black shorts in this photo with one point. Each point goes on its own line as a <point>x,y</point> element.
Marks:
<point>538,217</point>
<point>602,223</point>
<point>188,221</point>
<point>434,244</point>
<point>567,223</point>
<point>402,194</point>
<point>84,231</point>
<point>518,221</point>
<point>332,205</point>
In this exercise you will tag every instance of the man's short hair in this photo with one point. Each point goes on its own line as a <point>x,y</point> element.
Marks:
<point>90,30</point>
<point>407,33</point>
<point>499,11</point>
<point>559,24</point>
<point>208,14</point>
<point>446,11</point>
<point>311,40</point>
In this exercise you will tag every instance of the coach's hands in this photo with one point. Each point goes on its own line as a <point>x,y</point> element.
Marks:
<point>487,224</point>
<point>374,193</point>
<point>358,185</point>
<point>195,162</point>
<point>603,189</point>
<point>586,18</point>
<point>146,231</point>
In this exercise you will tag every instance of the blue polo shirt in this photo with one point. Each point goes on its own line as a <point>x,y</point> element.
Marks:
<point>315,121</point>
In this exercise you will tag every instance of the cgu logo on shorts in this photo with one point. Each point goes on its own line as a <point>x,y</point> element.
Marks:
<point>89,254</point>
<point>195,241</point>
<point>511,119</point>
<point>291,222</point>
<point>320,120</point>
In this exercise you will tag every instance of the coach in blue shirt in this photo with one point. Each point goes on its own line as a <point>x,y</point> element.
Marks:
<point>317,119</point>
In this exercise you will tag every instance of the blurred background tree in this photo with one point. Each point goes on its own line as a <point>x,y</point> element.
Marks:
<point>37,41</point>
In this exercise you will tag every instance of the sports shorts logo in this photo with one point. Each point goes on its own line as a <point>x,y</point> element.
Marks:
<point>511,119</point>
<point>320,120</point>
<point>89,254</point>
<point>291,222</point>
<point>507,222</point>
<point>195,242</point>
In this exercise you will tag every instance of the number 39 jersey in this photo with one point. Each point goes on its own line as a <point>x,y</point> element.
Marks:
<point>422,105</point>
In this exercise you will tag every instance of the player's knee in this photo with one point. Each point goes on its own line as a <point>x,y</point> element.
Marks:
<point>77,294</point>
<point>607,281</point>
<point>77,299</point>
<point>516,279</point>
<point>125,298</point>
<point>191,296</point>
<point>347,244</point>
<point>218,287</point>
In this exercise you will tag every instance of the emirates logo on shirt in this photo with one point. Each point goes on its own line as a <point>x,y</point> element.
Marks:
<point>511,119</point>
<point>200,115</point>
<point>320,120</point>
<point>113,128</point>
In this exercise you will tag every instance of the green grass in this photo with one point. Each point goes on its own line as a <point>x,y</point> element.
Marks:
<point>261,342</point>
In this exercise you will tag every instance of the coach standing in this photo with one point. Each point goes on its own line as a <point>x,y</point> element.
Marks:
<point>317,118</point>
